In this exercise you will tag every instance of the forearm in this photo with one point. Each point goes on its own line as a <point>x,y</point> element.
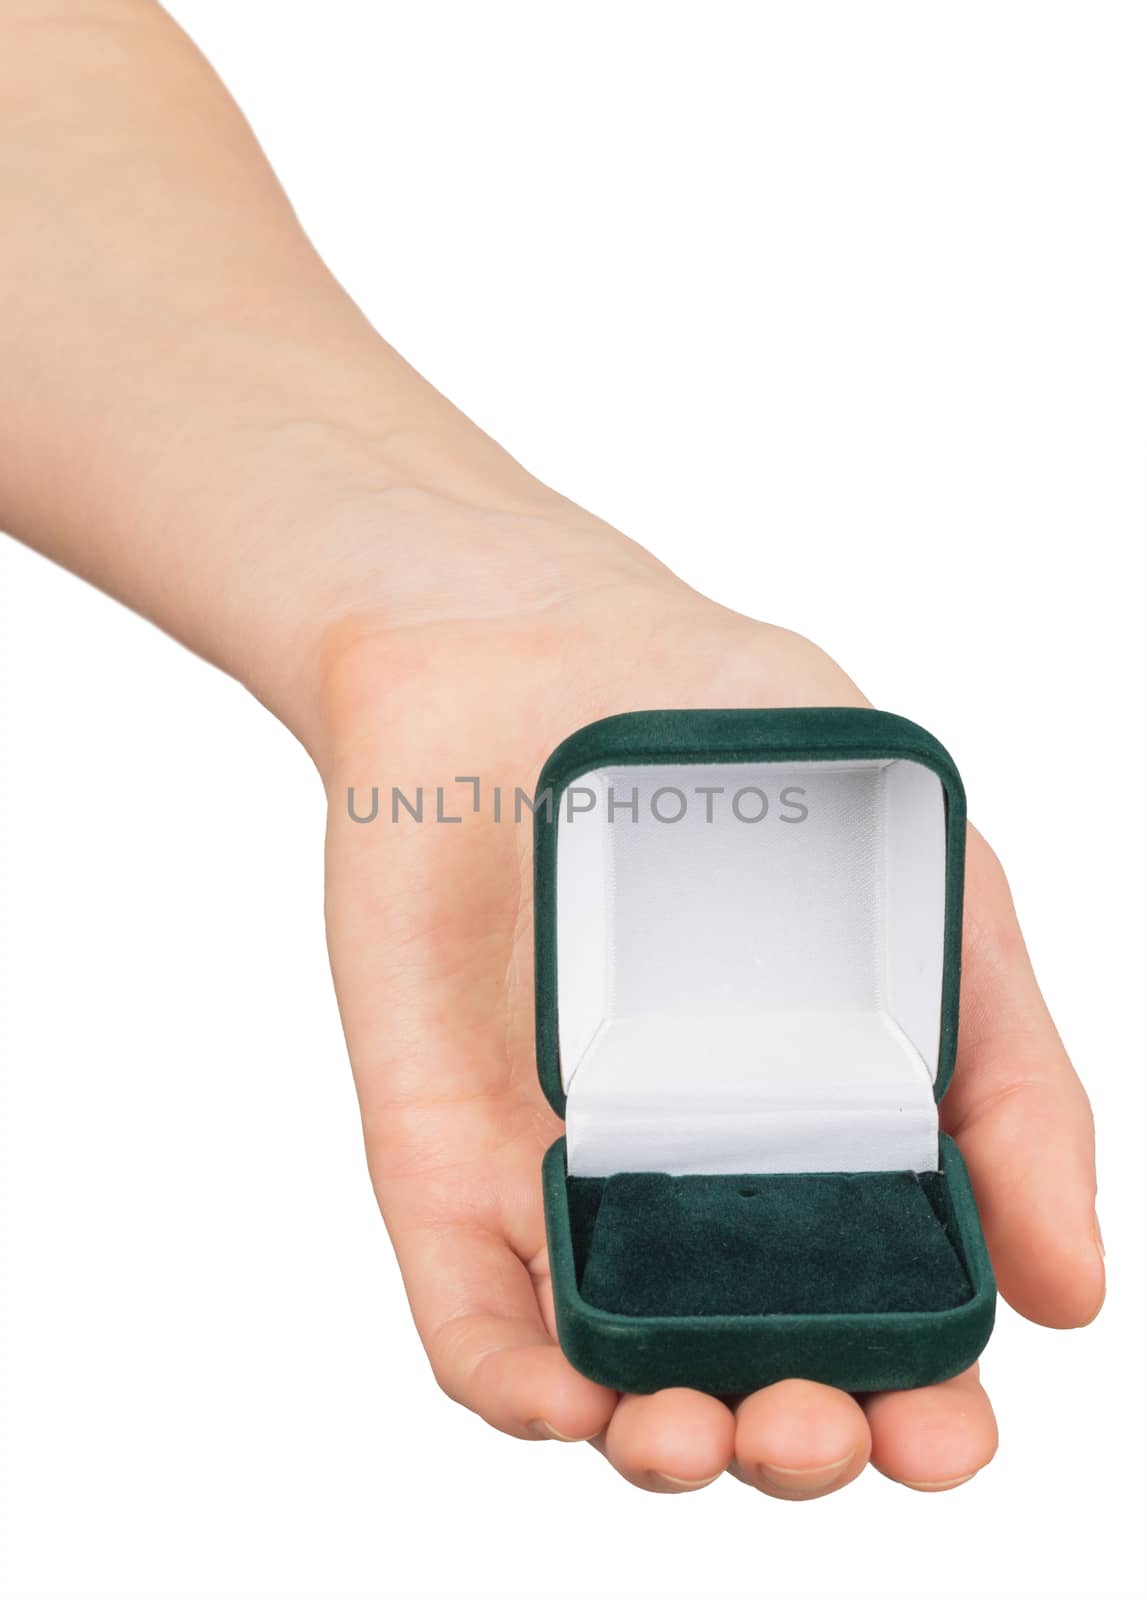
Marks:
<point>193,414</point>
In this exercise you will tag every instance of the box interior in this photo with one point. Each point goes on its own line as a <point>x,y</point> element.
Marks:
<point>754,987</point>
<point>749,1021</point>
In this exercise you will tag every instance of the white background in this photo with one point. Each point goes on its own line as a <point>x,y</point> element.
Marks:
<point>841,310</point>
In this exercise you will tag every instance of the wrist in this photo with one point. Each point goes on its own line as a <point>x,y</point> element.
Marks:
<point>371,565</point>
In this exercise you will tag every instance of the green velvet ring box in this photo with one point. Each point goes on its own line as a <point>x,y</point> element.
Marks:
<point>747,932</point>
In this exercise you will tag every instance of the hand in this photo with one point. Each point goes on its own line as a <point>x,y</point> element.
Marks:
<point>198,419</point>
<point>431,946</point>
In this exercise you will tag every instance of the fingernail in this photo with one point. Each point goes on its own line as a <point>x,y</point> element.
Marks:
<point>805,1480</point>
<point>1095,1228</point>
<point>542,1430</point>
<point>676,1485</point>
<point>940,1483</point>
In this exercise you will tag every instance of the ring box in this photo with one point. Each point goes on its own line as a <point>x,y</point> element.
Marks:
<point>747,943</point>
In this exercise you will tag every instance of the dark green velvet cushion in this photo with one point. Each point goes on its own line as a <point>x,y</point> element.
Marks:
<point>806,1243</point>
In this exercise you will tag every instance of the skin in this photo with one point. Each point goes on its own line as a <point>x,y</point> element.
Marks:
<point>196,418</point>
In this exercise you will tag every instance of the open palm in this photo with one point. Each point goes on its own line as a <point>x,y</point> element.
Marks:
<point>431,944</point>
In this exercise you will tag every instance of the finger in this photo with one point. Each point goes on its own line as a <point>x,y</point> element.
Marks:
<point>933,1439</point>
<point>1021,1117</point>
<point>798,1440</point>
<point>476,1310</point>
<point>670,1442</point>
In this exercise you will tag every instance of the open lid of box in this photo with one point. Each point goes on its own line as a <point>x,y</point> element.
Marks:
<point>747,934</point>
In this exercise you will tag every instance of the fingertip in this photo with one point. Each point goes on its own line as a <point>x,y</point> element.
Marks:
<point>798,1440</point>
<point>1043,1237</point>
<point>534,1393</point>
<point>671,1442</point>
<point>1064,1288</point>
<point>1070,1297</point>
<point>934,1439</point>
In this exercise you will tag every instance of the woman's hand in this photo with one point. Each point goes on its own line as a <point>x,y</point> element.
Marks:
<point>537,622</point>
